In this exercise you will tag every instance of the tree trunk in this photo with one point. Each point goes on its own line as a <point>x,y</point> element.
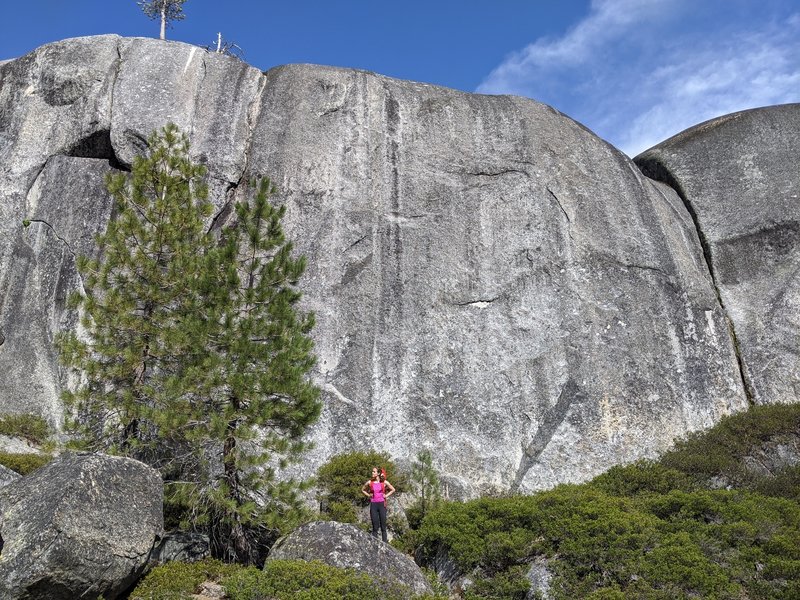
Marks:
<point>164,20</point>
<point>238,545</point>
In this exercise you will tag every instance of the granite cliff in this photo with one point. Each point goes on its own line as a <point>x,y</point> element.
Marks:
<point>491,280</point>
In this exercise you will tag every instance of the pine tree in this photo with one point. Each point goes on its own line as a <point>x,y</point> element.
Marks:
<point>426,480</point>
<point>195,354</point>
<point>136,297</point>
<point>164,10</point>
<point>252,374</point>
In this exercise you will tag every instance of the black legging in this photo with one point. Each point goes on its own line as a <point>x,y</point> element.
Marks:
<point>377,512</point>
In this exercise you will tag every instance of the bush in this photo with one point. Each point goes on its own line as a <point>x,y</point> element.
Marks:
<point>27,426</point>
<point>720,450</point>
<point>641,478</point>
<point>343,512</point>
<point>785,484</point>
<point>24,463</point>
<point>300,580</point>
<point>178,580</point>
<point>509,585</point>
<point>279,580</point>
<point>342,477</point>
<point>680,544</point>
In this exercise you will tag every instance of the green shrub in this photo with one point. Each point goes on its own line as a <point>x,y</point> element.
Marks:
<point>640,478</point>
<point>300,580</point>
<point>785,484</point>
<point>24,463</point>
<point>342,477</point>
<point>279,580</point>
<point>343,512</point>
<point>178,580</point>
<point>508,585</point>
<point>719,451</point>
<point>28,426</point>
<point>680,544</point>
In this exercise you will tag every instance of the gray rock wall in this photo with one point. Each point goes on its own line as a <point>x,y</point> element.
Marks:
<point>740,177</point>
<point>491,280</point>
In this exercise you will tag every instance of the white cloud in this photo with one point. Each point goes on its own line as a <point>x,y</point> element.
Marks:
<point>637,72</point>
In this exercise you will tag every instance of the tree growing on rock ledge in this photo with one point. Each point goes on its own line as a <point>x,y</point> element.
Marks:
<point>164,10</point>
<point>195,354</point>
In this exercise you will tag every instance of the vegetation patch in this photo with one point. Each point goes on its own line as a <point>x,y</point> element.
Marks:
<point>279,580</point>
<point>650,530</point>
<point>720,452</point>
<point>24,463</point>
<point>341,478</point>
<point>27,426</point>
<point>175,580</point>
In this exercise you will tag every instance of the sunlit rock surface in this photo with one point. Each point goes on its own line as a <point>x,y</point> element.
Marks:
<point>491,280</point>
<point>740,175</point>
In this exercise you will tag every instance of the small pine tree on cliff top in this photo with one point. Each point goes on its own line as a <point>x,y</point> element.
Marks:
<point>163,10</point>
<point>195,354</point>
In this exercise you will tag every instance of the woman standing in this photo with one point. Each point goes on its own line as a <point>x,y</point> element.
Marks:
<point>377,489</point>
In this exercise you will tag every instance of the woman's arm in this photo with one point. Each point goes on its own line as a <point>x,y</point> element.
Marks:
<point>364,489</point>
<point>390,487</point>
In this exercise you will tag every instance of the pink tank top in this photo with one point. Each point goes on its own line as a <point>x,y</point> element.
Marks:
<point>377,491</point>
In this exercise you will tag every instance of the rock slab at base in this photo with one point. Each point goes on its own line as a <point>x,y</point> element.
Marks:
<point>346,546</point>
<point>80,527</point>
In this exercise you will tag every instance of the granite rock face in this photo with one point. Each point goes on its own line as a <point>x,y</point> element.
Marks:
<point>81,526</point>
<point>346,546</point>
<point>740,176</point>
<point>491,280</point>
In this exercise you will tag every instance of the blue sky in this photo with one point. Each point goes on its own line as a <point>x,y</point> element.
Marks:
<point>633,71</point>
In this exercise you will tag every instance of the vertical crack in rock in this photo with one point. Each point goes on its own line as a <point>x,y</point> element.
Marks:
<point>551,419</point>
<point>114,79</point>
<point>655,170</point>
<point>199,89</point>
<point>564,212</point>
<point>253,114</point>
<point>55,233</point>
<point>395,242</point>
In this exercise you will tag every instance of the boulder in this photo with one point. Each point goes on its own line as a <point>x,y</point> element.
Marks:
<point>7,476</point>
<point>540,578</point>
<point>346,546</point>
<point>82,526</point>
<point>739,176</point>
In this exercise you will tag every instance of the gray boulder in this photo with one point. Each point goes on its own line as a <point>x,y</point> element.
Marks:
<point>7,475</point>
<point>346,546</point>
<point>82,526</point>
<point>540,577</point>
<point>739,176</point>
